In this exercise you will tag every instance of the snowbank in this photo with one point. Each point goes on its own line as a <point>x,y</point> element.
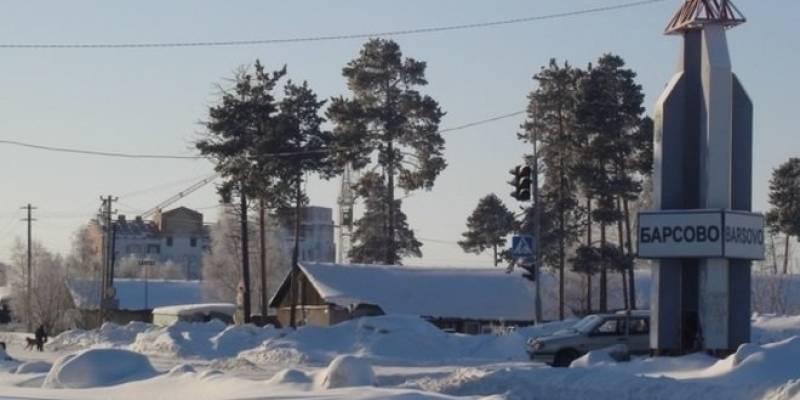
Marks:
<point>348,371</point>
<point>290,376</point>
<point>98,367</point>
<point>109,335</point>
<point>34,367</point>
<point>770,364</point>
<point>386,340</point>
<point>187,340</point>
<point>606,356</point>
<point>768,328</point>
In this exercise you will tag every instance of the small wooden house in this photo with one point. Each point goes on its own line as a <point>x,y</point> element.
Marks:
<point>466,300</point>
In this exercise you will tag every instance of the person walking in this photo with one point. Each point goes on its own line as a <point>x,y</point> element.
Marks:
<point>41,337</point>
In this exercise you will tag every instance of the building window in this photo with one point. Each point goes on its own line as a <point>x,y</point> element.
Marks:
<point>153,249</point>
<point>193,242</point>
<point>169,241</point>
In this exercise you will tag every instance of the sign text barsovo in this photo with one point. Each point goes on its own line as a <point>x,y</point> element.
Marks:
<point>701,234</point>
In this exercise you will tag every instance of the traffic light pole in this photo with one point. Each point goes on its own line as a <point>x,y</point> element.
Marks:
<point>537,223</point>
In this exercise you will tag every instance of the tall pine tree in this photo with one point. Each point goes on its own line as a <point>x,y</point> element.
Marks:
<point>388,123</point>
<point>609,115</point>
<point>551,120</point>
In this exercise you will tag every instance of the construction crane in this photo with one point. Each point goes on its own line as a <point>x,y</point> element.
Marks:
<point>345,201</point>
<point>179,196</point>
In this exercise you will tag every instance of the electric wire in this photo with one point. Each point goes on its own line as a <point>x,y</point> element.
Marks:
<point>326,38</point>
<point>115,154</point>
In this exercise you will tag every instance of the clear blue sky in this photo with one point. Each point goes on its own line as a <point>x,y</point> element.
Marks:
<point>150,100</point>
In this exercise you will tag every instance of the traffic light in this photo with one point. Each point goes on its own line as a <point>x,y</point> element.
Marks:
<point>521,183</point>
<point>530,272</point>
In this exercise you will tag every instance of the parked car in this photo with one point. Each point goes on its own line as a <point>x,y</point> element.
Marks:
<point>593,332</point>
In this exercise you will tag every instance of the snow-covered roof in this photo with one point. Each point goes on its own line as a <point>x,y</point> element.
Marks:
<point>131,293</point>
<point>441,292</point>
<point>189,309</point>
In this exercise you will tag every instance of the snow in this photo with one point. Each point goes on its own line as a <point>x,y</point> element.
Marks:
<point>98,367</point>
<point>131,293</point>
<point>477,293</point>
<point>109,335</point>
<point>348,371</point>
<point>389,357</point>
<point>191,309</point>
<point>606,356</point>
<point>34,367</point>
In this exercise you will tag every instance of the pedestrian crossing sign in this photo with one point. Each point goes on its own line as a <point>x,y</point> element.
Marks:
<point>522,246</point>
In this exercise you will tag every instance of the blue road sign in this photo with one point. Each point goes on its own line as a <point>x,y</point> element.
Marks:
<point>522,246</point>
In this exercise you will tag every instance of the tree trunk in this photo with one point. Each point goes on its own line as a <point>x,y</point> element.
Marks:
<point>603,272</point>
<point>296,252</point>
<point>786,255</point>
<point>588,294</point>
<point>629,243</point>
<point>774,252</point>
<point>391,248</point>
<point>495,255</point>
<point>589,245</point>
<point>561,265</point>
<point>245,256</point>
<point>623,271</point>
<point>262,258</point>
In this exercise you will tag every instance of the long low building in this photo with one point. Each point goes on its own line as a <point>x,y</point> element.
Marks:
<point>467,300</point>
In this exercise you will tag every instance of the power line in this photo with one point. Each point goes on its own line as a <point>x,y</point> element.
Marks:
<point>73,150</point>
<point>482,122</point>
<point>325,38</point>
<point>97,153</point>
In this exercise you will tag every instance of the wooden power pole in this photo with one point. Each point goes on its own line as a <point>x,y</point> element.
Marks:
<point>29,272</point>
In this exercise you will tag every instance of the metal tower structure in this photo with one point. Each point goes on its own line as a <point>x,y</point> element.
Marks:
<point>345,201</point>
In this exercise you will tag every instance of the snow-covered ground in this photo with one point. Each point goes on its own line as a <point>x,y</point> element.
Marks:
<point>377,358</point>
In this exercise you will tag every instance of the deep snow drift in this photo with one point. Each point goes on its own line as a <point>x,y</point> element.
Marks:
<point>391,357</point>
<point>98,367</point>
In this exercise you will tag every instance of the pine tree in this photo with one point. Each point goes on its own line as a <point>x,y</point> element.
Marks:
<point>296,147</point>
<point>488,226</point>
<point>609,115</point>
<point>388,123</point>
<point>371,234</point>
<point>784,197</point>
<point>551,120</point>
<point>234,128</point>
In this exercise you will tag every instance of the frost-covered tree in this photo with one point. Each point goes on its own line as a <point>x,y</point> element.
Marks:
<point>50,300</point>
<point>220,266</point>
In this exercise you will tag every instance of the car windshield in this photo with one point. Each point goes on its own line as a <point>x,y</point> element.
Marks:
<point>586,324</point>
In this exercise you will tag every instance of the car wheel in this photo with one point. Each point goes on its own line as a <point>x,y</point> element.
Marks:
<point>565,357</point>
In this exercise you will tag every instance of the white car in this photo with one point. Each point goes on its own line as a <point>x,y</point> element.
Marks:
<point>594,332</point>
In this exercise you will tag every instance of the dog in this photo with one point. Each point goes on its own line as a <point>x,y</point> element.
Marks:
<point>30,343</point>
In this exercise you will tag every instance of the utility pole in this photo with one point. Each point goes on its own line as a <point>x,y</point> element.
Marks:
<point>29,272</point>
<point>106,276</point>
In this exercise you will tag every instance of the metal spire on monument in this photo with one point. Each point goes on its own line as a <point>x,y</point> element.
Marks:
<point>703,235</point>
<point>694,14</point>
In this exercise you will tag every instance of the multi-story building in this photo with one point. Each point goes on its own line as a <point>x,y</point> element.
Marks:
<point>316,234</point>
<point>176,236</point>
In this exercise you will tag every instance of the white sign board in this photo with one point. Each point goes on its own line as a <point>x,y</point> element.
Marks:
<point>744,235</point>
<point>701,234</point>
